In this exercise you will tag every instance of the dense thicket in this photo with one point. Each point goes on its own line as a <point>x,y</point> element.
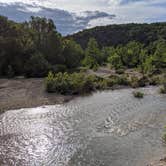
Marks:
<point>113,35</point>
<point>35,47</point>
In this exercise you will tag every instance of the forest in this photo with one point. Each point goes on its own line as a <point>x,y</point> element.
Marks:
<point>34,48</point>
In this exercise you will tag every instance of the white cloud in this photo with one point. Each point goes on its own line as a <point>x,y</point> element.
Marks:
<point>125,10</point>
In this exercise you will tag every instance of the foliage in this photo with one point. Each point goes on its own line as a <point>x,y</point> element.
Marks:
<point>36,66</point>
<point>113,35</point>
<point>115,61</point>
<point>73,54</point>
<point>79,83</point>
<point>65,83</point>
<point>33,48</point>
<point>163,89</point>
<point>138,94</point>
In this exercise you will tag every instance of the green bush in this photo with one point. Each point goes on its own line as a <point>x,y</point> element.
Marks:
<point>36,66</point>
<point>136,82</point>
<point>163,90</point>
<point>138,94</point>
<point>154,80</point>
<point>119,80</point>
<point>120,71</point>
<point>64,83</point>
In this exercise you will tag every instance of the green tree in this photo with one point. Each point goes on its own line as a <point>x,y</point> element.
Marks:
<point>115,61</point>
<point>93,50</point>
<point>131,54</point>
<point>37,66</point>
<point>72,53</point>
<point>160,55</point>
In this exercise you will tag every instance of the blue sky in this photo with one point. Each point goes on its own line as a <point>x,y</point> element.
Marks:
<point>125,10</point>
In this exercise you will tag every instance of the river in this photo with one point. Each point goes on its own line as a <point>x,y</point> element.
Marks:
<point>109,128</point>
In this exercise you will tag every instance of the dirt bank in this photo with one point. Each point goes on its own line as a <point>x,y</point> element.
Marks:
<point>162,162</point>
<point>25,93</point>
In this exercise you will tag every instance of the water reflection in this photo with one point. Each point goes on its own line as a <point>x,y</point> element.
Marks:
<point>107,128</point>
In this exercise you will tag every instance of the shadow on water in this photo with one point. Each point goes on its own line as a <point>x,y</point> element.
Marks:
<point>110,128</point>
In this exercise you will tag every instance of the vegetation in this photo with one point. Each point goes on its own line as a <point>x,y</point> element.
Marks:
<point>80,83</point>
<point>114,35</point>
<point>163,88</point>
<point>138,94</point>
<point>34,48</point>
<point>164,137</point>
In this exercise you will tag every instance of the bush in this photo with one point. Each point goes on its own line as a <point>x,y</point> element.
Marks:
<point>136,82</point>
<point>37,66</point>
<point>120,71</point>
<point>138,94</point>
<point>119,80</point>
<point>64,83</point>
<point>163,90</point>
<point>155,80</point>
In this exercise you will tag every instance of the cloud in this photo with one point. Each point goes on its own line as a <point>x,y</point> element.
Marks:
<point>66,22</point>
<point>126,11</point>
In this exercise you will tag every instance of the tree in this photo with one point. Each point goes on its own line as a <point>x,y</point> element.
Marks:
<point>72,53</point>
<point>90,62</point>
<point>131,54</point>
<point>93,50</point>
<point>37,66</point>
<point>160,55</point>
<point>115,61</point>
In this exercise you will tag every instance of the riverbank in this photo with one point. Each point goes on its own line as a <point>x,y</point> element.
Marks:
<point>26,93</point>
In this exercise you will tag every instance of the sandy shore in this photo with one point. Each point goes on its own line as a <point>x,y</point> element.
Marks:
<point>25,93</point>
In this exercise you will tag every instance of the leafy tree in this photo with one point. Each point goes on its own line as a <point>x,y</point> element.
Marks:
<point>131,55</point>
<point>160,54</point>
<point>89,62</point>
<point>93,50</point>
<point>37,66</point>
<point>115,61</point>
<point>72,53</point>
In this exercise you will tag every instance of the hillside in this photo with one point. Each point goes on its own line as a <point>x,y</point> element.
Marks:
<point>113,35</point>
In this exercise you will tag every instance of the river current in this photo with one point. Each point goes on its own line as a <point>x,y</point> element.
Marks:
<point>109,128</point>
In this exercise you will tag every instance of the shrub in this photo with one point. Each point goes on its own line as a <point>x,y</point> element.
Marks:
<point>164,138</point>
<point>154,80</point>
<point>64,83</point>
<point>136,82</point>
<point>119,80</point>
<point>37,66</point>
<point>120,71</point>
<point>138,94</point>
<point>163,90</point>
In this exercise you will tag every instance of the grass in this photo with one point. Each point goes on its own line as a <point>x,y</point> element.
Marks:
<point>138,94</point>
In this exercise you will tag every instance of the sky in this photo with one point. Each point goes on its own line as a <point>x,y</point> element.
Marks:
<point>125,10</point>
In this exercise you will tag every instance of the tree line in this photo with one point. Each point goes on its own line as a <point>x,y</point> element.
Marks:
<point>34,48</point>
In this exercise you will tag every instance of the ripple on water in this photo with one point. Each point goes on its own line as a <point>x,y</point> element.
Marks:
<point>109,127</point>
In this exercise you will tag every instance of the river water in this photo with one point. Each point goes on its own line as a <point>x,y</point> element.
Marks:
<point>110,128</point>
